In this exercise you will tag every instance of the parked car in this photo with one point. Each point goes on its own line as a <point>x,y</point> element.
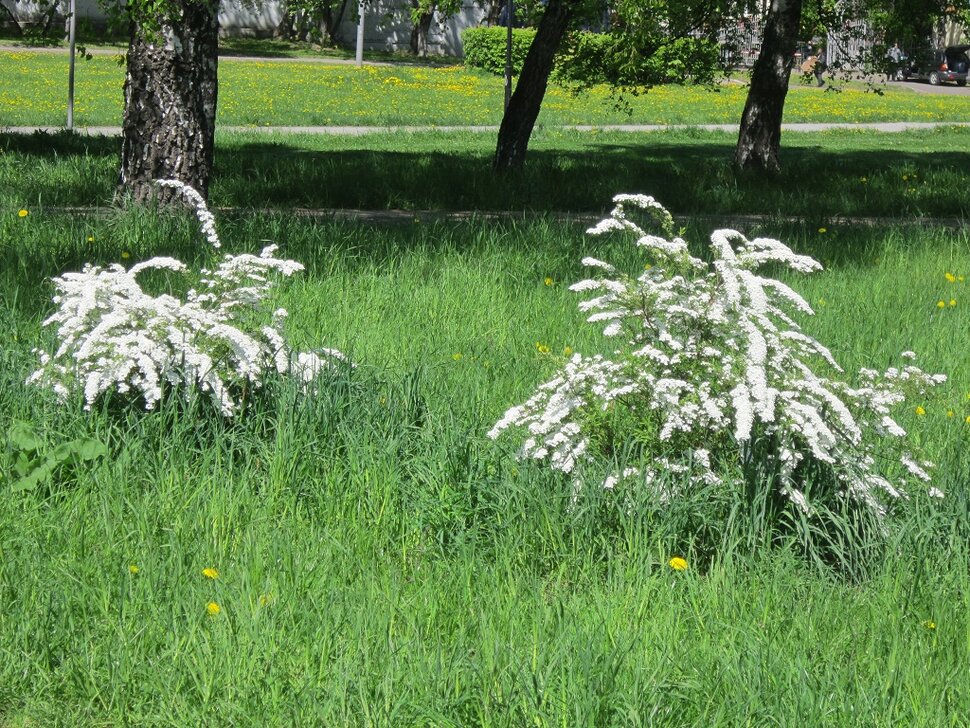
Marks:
<point>945,64</point>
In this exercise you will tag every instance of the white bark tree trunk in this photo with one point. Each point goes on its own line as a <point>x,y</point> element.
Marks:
<point>170,102</point>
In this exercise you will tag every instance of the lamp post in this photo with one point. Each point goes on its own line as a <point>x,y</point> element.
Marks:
<point>360,34</point>
<point>70,72</point>
<point>509,22</point>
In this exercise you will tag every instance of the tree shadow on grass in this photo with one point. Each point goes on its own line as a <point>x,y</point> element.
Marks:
<point>691,176</point>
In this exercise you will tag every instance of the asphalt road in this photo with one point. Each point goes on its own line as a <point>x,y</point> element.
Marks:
<point>923,87</point>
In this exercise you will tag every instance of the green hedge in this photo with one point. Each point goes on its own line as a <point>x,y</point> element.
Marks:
<point>589,58</point>
<point>485,48</point>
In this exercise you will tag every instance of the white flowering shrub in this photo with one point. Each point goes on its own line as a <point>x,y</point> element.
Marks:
<point>715,382</point>
<point>222,339</point>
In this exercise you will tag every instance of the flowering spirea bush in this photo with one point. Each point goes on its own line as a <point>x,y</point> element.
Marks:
<point>222,338</point>
<point>714,379</point>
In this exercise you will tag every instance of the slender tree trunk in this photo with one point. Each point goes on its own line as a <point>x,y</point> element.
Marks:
<point>335,23</point>
<point>284,29</point>
<point>14,23</point>
<point>520,117</point>
<point>760,136</point>
<point>170,102</point>
<point>419,35</point>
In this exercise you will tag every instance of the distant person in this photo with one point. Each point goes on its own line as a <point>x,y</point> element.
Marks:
<point>895,56</point>
<point>820,66</point>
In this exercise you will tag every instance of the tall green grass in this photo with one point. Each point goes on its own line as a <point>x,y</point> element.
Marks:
<point>383,563</point>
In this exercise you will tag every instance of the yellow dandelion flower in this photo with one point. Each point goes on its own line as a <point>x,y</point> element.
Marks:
<point>967,420</point>
<point>822,230</point>
<point>863,180</point>
<point>125,255</point>
<point>133,569</point>
<point>22,213</point>
<point>950,413</point>
<point>953,302</point>
<point>90,238</point>
<point>456,356</point>
<point>210,573</point>
<point>567,351</point>
<point>542,348</point>
<point>961,278</point>
<point>213,608</point>
<point>950,277</point>
<point>920,411</point>
<point>548,281</point>
<point>941,304</point>
<point>265,599</point>
<point>929,624</point>
<point>677,563</point>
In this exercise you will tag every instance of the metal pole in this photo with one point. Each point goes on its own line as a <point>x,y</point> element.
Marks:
<point>510,21</point>
<point>70,73</point>
<point>360,34</point>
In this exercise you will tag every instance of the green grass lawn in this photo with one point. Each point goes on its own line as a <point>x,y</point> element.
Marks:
<point>381,562</point>
<point>33,91</point>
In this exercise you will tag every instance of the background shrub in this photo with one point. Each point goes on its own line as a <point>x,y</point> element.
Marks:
<point>485,48</point>
<point>587,58</point>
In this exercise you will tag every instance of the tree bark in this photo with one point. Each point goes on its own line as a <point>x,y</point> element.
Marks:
<point>760,135</point>
<point>14,23</point>
<point>520,117</point>
<point>170,102</point>
<point>419,34</point>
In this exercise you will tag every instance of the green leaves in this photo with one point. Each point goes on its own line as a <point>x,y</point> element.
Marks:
<point>34,464</point>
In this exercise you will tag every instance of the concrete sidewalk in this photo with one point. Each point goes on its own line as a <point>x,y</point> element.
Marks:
<point>409,217</point>
<point>888,126</point>
<point>224,55</point>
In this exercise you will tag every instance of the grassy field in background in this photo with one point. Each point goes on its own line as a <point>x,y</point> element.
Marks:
<point>381,562</point>
<point>825,175</point>
<point>33,91</point>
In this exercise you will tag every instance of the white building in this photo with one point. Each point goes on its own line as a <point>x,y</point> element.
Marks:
<point>387,23</point>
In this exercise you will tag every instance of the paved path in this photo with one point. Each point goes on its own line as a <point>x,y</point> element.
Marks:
<point>223,56</point>
<point>405,217</point>
<point>924,87</point>
<point>889,126</point>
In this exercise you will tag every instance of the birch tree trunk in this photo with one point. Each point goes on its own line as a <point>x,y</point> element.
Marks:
<point>170,101</point>
<point>760,135</point>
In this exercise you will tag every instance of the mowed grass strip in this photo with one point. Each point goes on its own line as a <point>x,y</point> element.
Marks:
<point>840,173</point>
<point>33,91</point>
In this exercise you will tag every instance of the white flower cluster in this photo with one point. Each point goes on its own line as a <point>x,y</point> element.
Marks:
<point>712,368</point>
<point>116,336</point>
